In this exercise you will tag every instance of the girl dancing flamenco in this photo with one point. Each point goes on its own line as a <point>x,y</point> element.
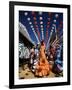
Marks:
<point>42,68</point>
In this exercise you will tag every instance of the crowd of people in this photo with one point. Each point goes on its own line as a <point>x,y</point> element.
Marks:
<point>43,61</point>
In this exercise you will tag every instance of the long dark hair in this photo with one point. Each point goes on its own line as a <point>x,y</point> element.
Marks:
<point>42,42</point>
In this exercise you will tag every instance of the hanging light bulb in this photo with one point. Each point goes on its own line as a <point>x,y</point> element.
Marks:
<point>56,15</point>
<point>26,13</point>
<point>28,19</point>
<point>40,13</point>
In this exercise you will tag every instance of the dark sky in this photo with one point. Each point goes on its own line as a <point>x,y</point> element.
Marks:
<point>41,22</point>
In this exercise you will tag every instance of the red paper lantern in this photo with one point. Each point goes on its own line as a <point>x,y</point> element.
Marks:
<point>35,22</point>
<point>33,13</point>
<point>34,18</point>
<point>36,26</point>
<point>49,13</point>
<point>48,26</point>
<point>48,23</point>
<point>48,19</point>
